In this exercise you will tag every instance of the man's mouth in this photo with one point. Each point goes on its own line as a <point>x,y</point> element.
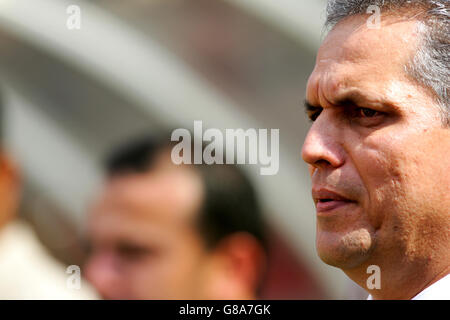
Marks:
<point>330,204</point>
<point>327,200</point>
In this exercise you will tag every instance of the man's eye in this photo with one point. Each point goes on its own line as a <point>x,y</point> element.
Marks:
<point>367,113</point>
<point>131,251</point>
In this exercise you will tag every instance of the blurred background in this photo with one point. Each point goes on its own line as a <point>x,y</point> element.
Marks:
<point>139,66</point>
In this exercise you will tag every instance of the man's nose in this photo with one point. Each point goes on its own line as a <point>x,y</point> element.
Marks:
<point>322,147</point>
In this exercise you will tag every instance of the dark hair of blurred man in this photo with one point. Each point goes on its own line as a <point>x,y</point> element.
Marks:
<point>166,231</point>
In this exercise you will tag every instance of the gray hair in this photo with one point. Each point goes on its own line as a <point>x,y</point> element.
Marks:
<point>430,65</point>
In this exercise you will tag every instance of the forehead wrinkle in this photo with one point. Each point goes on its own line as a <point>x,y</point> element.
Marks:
<point>327,86</point>
<point>351,44</point>
<point>337,85</point>
<point>356,41</point>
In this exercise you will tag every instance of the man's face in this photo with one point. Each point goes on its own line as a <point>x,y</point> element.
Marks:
<point>378,153</point>
<point>144,243</point>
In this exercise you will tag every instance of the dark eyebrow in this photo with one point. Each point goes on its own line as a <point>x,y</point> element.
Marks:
<point>344,102</point>
<point>309,107</point>
<point>348,102</point>
<point>353,97</point>
<point>359,99</point>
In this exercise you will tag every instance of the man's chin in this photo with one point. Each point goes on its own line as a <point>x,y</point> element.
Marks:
<point>345,251</point>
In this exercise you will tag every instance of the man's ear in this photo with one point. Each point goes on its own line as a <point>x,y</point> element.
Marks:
<point>9,188</point>
<point>242,263</point>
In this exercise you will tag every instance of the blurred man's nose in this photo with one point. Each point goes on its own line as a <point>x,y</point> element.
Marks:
<point>103,274</point>
<point>322,148</point>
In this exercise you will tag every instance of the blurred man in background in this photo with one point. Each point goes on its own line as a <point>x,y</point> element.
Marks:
<point>165,231</point>
<point>27,271</point>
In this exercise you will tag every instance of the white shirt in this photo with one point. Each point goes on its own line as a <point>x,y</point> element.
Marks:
<point>440,290</point>
<point>27,271</point>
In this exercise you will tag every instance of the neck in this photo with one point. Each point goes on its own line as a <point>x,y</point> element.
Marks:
<point>401,281</point>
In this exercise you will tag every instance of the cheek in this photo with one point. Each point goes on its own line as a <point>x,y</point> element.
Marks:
<point>425,164</point>
<point>380,167</point>
<point>173,273</point>
<point>396,170</point>
<point>151,278</point>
